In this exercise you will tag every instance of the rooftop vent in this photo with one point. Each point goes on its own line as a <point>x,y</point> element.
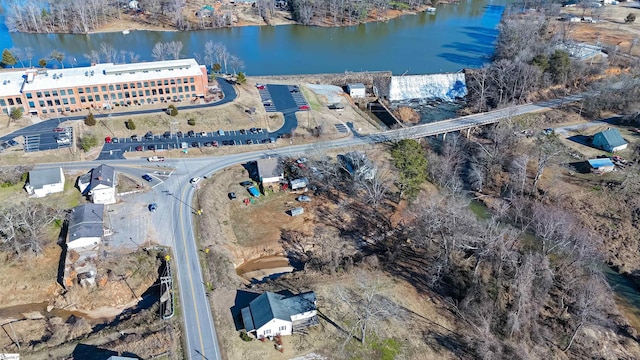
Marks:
<point>86,73</point>
<point>55,76</point>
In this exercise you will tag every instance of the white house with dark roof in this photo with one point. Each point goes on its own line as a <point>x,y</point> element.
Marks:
<point>273,314</point>
<point>86,227</point>
<point>43,182</point>
<point>99,185</point>
<point>269,171</point>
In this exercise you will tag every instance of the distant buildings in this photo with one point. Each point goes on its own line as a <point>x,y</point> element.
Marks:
<point>609,140</point>
<point>357,90</point>
<point>43,182</point>
<point>101,86</point>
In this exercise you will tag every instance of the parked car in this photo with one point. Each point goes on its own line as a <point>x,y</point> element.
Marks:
<point>303,107</point>
<point>195,144</point>
<point>260,86</point>
<point>58,129</point>
<point>207,144</point>
<point>107,140</point>
<point>214,143</point>
<point>221,132</point>
<point>304,198</point>
<point>253,130</point>
<point>139,148</point>
<point>179,134</point>
<point>148,135</point>
<point>115,140</point>
<point>167,134</point>
<point>203,133</point>
<point>195,180</point>
<point>152,147</point>
<point>147,177</point>
<point>135,138</point>
<point>153,207</point>
<point>243,131</point>
<point>259,130</point>
<point>249,142</point>
<point>232,196</point>
<point>246,183</point>
<point>191,133</point>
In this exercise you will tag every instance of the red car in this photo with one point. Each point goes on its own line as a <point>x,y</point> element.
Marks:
<point>303,107</point>
<point>138,148</point>
<point>58,129</point>
<point>107,140</point>
<point>260,86</point>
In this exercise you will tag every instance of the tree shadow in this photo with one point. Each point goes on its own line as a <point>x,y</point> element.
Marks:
<point>63,254</point>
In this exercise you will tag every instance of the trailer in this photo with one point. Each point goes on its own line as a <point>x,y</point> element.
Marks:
<point>296,211</point>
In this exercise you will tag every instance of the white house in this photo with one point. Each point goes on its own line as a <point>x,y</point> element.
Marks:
<point>43,182</point>
<point>273,314</point>
<point>85,226</point>
<point>99,185</point>
<point>269,171</point>
<point>357,90</point>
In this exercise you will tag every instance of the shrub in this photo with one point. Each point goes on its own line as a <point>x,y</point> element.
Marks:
<point>245,337</point>
<point>241,78</point>
<point>172,110</point>
<point>630,18</point>
<point>191,121</point>
<point>130,124</point>
<point>90,120</point>
<point>88,141</point>
<point>16,113</point>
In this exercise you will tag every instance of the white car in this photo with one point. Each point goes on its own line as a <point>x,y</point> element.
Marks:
<point>194,180</point>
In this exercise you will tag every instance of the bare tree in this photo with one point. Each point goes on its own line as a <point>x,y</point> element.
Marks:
<point>376,189</point>
<point>93,57</point>
<point>174,48</point>
<point>159,52</point>
<point>23,227</point>
<point>548,148</point>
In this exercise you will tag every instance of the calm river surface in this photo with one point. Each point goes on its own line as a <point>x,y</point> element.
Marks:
<point>455,37</point>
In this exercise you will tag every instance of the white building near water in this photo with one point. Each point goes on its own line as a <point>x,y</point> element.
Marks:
<point>85,226</point>
<point>273,314</point>
<point>357,90</point>
<point>99,185</point>
<point>43,182</point>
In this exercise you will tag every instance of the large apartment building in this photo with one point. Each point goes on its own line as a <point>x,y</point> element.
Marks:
<point>101,86</point>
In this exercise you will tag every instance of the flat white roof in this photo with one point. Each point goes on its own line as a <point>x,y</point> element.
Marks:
<point>356,86</point>
<point>12,81</point>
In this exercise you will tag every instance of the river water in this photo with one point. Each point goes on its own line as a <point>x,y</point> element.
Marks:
<point>455,37</point>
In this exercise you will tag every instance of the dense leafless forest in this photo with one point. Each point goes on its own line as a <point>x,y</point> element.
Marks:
<point>82,16</point>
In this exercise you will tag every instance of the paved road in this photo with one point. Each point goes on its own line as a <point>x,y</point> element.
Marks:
<point>200,334</point>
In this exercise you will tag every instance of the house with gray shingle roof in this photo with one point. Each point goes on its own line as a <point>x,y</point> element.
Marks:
<point>609,140</point>
<point>99,185</point>
<point>43,182</point>
<point>273,314</point>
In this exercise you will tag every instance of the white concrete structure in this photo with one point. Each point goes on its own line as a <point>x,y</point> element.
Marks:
<point>357,90</point>
<point>85,226</point>
<point>43,182</point>
<point>273,314</point>
<point>99,185</point>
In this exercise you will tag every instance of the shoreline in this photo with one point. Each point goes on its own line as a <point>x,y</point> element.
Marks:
<point>121,25</point>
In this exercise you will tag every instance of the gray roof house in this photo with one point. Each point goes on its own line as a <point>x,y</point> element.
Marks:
<point>99,184</point>
<point>269,171</point>
<point>85,232</point>
<point>609,140</point>
<point>43,182</point>
<point>273,314</point>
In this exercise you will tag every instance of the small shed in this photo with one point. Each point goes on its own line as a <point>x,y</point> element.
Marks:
<point>300,183</point>
<point>609,140</point>
<point>296,211</point>
<point>601,166</point>
<point>357,90</point>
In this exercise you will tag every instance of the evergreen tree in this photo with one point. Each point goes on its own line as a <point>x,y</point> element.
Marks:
<point>42,63</point>
<point>241,78</point>
<point>409,157</point>
<point>7,58</point>
<point>90,120</point>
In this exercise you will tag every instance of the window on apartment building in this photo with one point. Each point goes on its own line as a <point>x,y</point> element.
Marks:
<point>83,99</point>
<point>193,88</point>
<point>160,91</point>
<point>70,91</point>
<point>49,103</point>
<point>173,82</point>
<point>161,98</point>
<point>67,109</point>
<point>19,101</point>
<point>104,88</point>
<point>147,92</point>
<point>41,103</point>
<point>2,102</point>
<point>186,88</point>
<point>132,85</point>
<point>173,90</point>
<point>139,85</point>
<point>134,94</point>
<point>95,89</point>
<point>267,332</point>
<point>119,95</point>
<point>38,94</point>
<point>10,101</point>
<point>154,92</point>
<point>90,98</point>
<point>125,86</point>
<point>148,100</point>
<point>153,83</point>
<point>47,94</point>
<point>44,111</point>
<point>180,89</point>
<point>54,93</point>
<point>140,93</point>
<point>166,82</point>
<point>146,84</point>
<point>113,96</point>
<point>179,81</point>
<point>118,87</point>
<point>65,101</point>
<point>166,90</point>
<point>97,97</point>
<point>87,90</point>
<point>110,87</point>
<point>29,96</point>
<point>80,91</point>
<point>73,101</point>
<point>32,104</point>
<point>57,102</point>
<point>155,99</point>
<point>126,94</point>
<point>191,80</point>
<point>63,92</point>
